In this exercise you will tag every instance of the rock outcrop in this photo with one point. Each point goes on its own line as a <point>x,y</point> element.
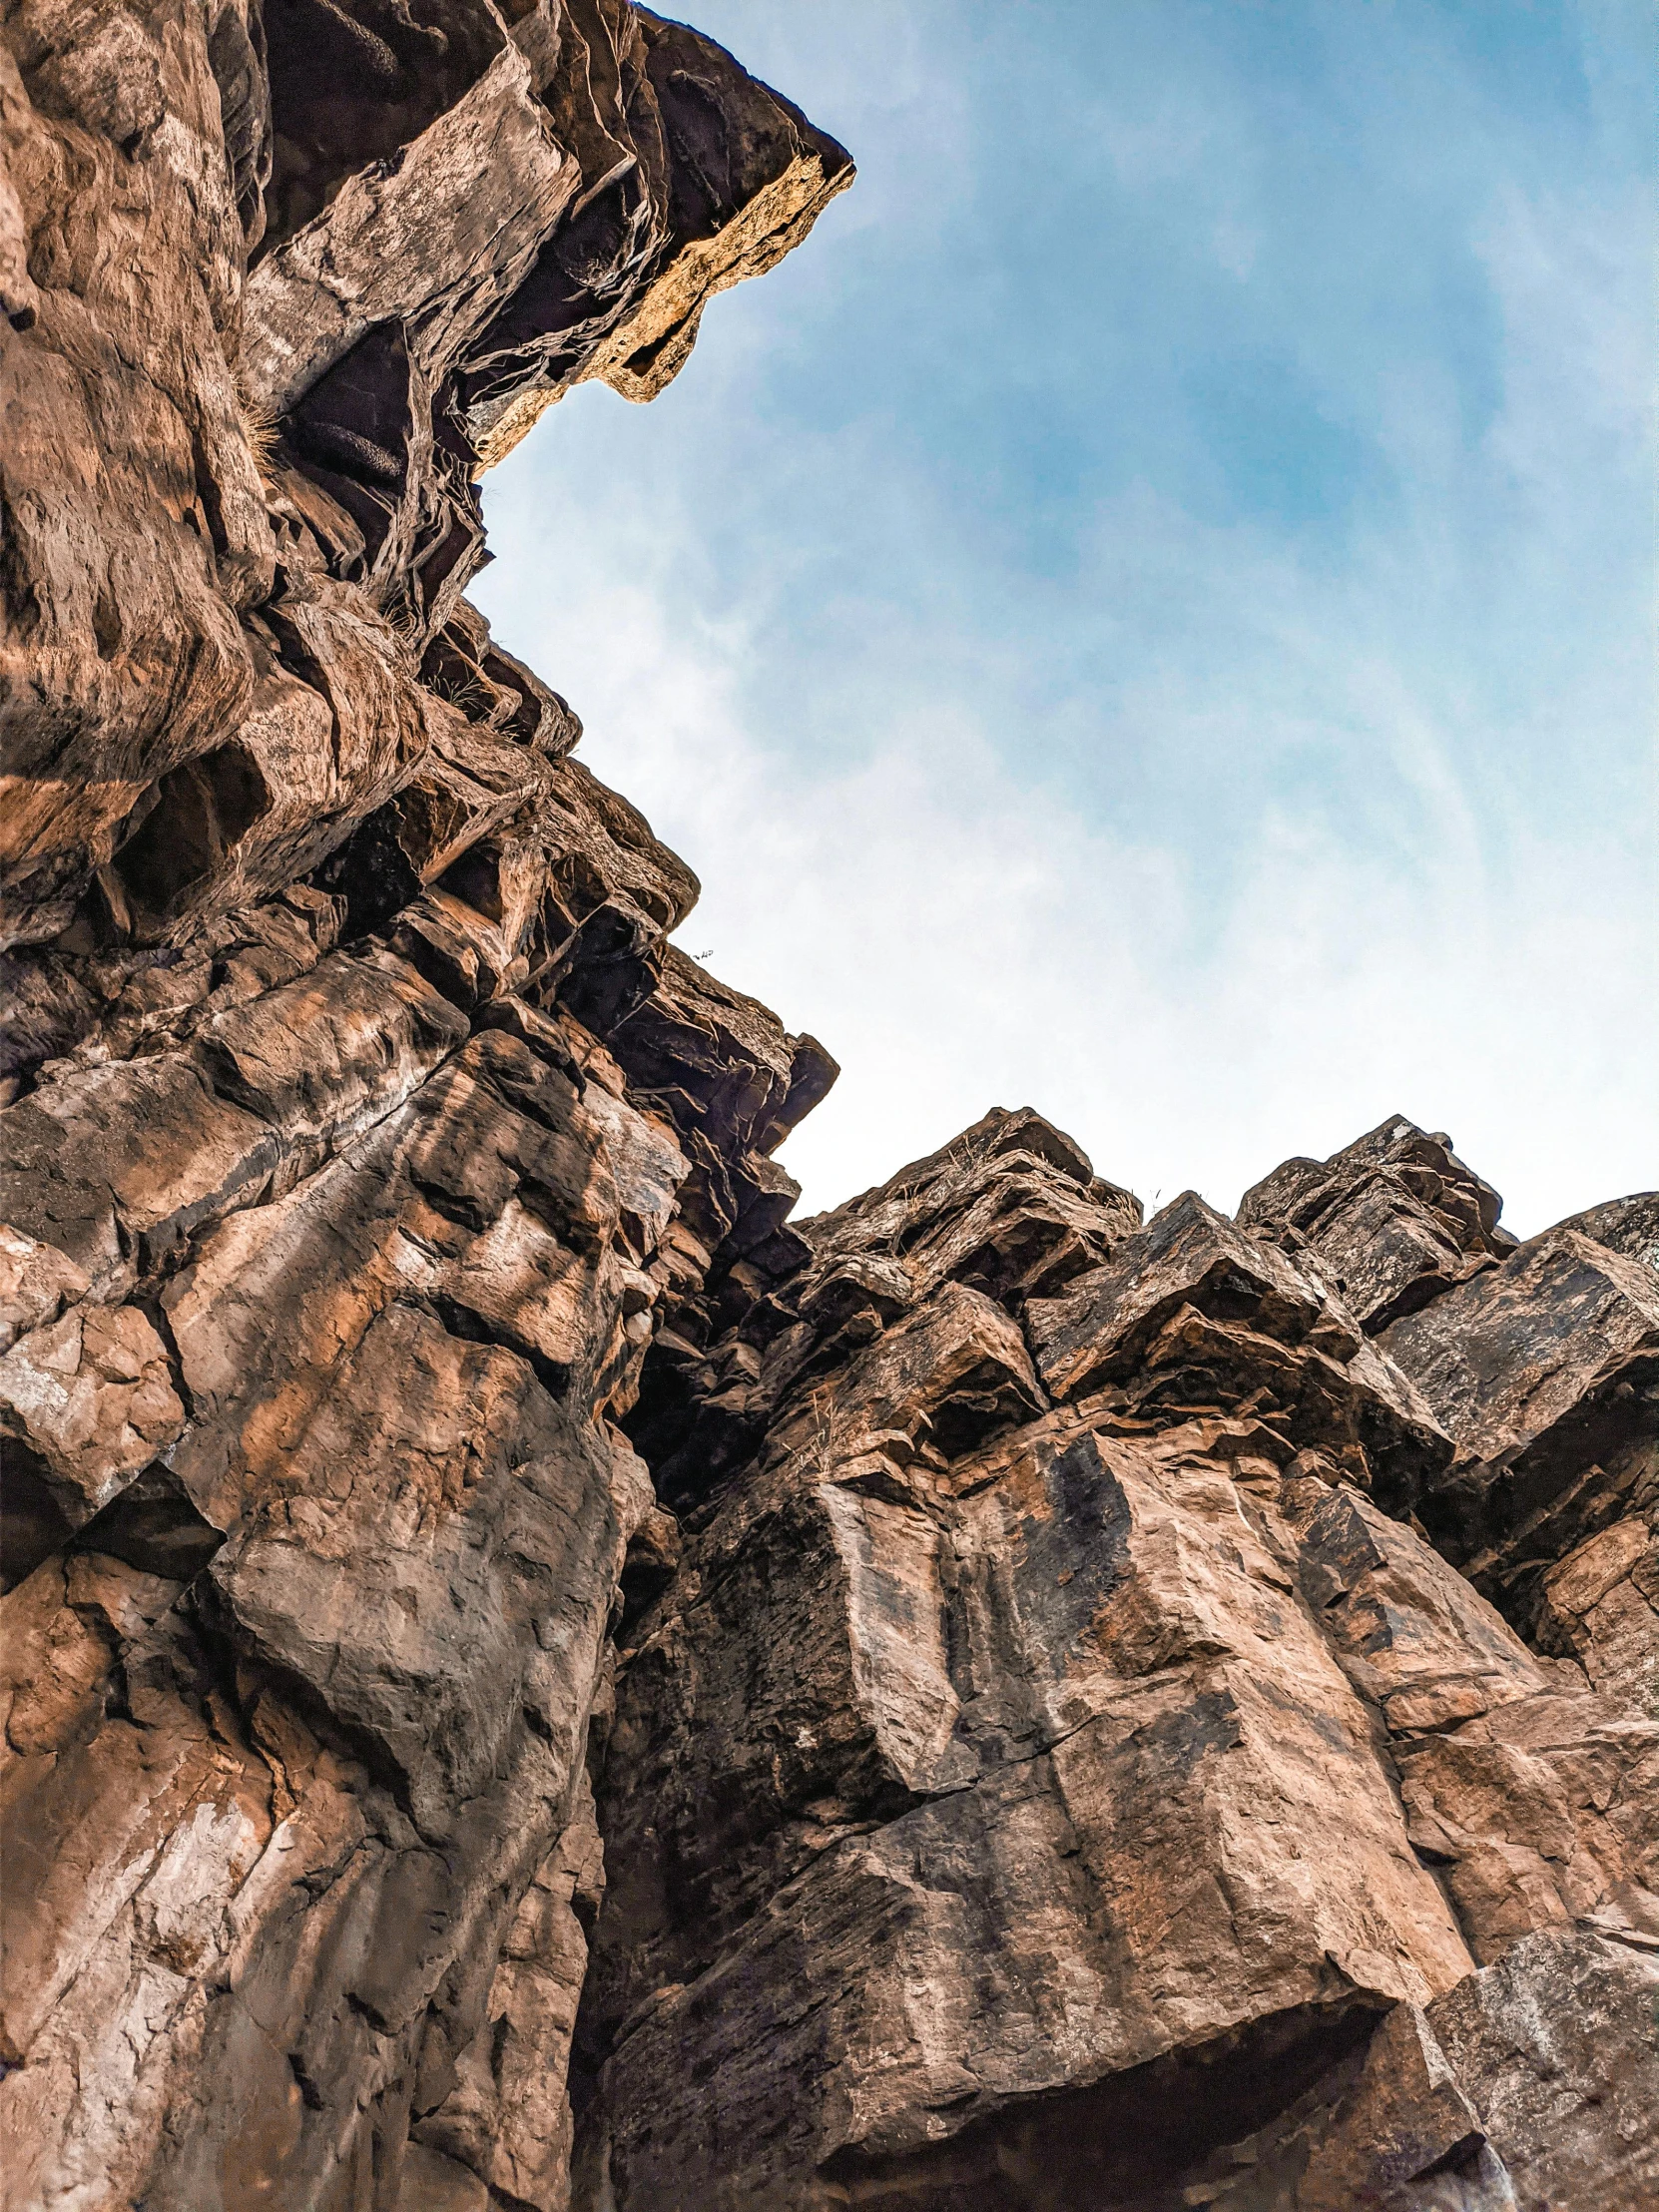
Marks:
<point>1049,1775</point>
<point>532,1679</point>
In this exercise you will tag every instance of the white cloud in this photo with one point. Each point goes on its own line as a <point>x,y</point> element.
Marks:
<point>960,940</point>
<point>1213,843</point>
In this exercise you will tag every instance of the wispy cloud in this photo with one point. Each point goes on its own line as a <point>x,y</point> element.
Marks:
<point>1022,759</point>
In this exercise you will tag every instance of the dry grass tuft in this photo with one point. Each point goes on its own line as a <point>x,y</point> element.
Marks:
<point>260,428</point>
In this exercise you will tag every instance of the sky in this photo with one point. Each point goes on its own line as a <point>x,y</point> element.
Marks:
<point>1149,612</point>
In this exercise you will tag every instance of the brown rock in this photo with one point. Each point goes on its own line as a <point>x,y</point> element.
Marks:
<point>1627,1225</point>
<point>36,1283</point>
<point>391,242</point>
<point>726,178</point>
<point>327,1263</point>
<point>927,1742</point>
<point>507,2120</point>
<point>112,1166</point>
<point>1555,2045</point>
<point>1600,1605</point>
<point>995,1730</point>
<point>1394,1219</point>
<point>965,1765</point>
<point>1012,1208</point>
<point>1546,1370</point>
<point>92,1396</point>
<point>1496,2096</point>
<point>1518,1364</point>
<point>1412,1635</point>
<point>457,224</point>
<point>1389,2124</point>
<point>1192,1314</point>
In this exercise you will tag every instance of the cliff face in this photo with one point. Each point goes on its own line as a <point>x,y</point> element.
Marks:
<point>1063,1769</point>
<point>362,1124</point>
<point>530,1679</point>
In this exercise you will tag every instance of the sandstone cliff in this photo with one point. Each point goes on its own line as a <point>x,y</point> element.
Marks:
<point>531,1679</point>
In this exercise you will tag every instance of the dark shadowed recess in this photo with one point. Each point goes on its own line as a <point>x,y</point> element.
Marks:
<point>152,1525</point>
<point>352,86</point>
<point>1086,2151</point>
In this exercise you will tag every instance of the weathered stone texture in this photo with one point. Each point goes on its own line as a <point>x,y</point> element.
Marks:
<point>1546,1370</point>
<point>338,1222</point>
<point>275,319</point>
<point>1394,1219</point>
<point>530,1678</point>
<point>1043,1761</point>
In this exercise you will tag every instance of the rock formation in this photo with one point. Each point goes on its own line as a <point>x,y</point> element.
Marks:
<point>532,1680</point>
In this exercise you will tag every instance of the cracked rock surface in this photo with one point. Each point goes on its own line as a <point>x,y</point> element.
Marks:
<point>531,1678</point>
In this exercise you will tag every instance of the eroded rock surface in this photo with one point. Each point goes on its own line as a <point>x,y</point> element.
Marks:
<point>1048,1775</point>
<point>530,1678</point>
<point>361,1125</point>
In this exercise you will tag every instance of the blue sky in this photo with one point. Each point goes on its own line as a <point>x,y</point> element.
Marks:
<point>1149,614</point>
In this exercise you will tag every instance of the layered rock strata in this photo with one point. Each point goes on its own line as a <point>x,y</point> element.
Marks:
<point>362,1122</point>
<point>1060,1770</point>
<point>530,1678</point>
